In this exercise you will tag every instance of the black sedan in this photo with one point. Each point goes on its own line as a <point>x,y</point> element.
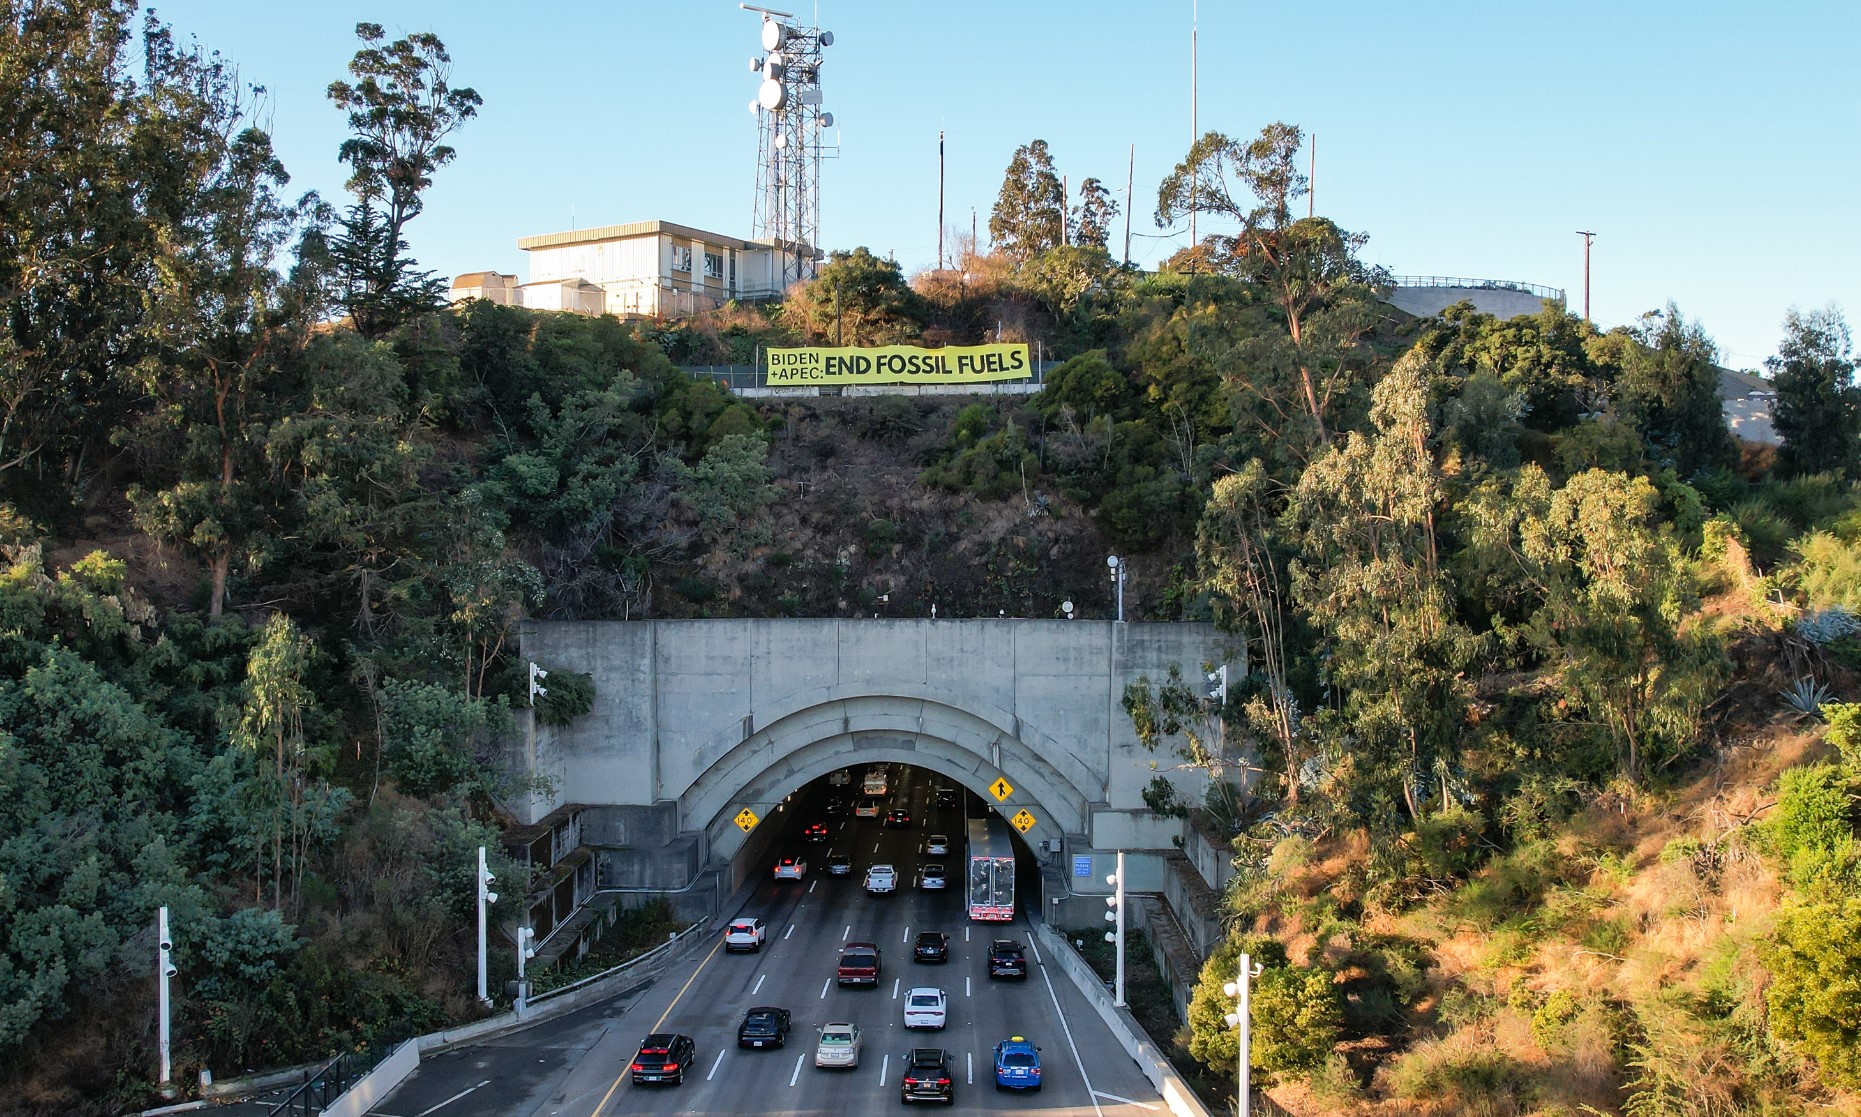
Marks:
<point>663,1057</point>
<point>898,818</point>
<point>1007,959</point>
<point>763,1027</point>
<point>932,946</point>
<point>928,1077</point>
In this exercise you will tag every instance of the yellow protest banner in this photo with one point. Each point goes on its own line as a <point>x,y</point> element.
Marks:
<point>899,364</point>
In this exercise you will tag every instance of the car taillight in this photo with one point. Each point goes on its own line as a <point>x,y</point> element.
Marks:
<point>1036,1072</point>
<point>943,1082</point>
<point>674,1066</point>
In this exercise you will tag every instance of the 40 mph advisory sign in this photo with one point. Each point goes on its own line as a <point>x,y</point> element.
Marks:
<point>899,364</point>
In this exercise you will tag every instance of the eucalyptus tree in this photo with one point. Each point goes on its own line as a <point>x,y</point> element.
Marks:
<point>402,106</point>
<point>1030,210</point>
<point>1091,219</point>
<point>1818,409</point>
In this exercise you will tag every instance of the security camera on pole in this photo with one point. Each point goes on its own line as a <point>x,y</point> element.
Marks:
<point>485,896</point>
<point>164,969</point>
<point>1116,916</point>
<point>537,689</point>
<point>1242,1019</point>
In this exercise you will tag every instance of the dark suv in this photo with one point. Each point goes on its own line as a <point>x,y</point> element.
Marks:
<point>932,946</point>
<point>663,1057</point>
<point>1007,959</point>
<point>927,1077</point>
<point>763,1027</point>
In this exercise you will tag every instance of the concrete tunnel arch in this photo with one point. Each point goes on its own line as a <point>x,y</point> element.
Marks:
<point>812,735</point>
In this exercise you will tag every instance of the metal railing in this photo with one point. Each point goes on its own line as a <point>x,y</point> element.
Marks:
<point>1537,289</point>
<point>332,1080</point>
<point>611,971</point>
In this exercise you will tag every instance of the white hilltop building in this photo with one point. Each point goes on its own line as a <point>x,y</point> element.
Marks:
<point>646,269</point>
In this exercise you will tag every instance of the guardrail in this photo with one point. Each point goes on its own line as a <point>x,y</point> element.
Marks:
<point>1537,289</point>
<point>611,971</point>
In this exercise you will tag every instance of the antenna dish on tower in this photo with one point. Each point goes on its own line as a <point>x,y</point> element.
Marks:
<point>826,120</point>
<point>827,38</point>
<point>791,142</point>
<point>773,95</point>
<point>774,34</point>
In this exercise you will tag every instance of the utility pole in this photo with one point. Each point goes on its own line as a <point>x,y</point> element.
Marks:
<point>1195,132</point>
<point>1311,180</point>
<point>939,199</point>
<point>1587,236</point>
<point>1130,177</point>
<point>485,896</point>
<point>1116,917</point>
<point>164,969</point>
<point>1241,1019</point>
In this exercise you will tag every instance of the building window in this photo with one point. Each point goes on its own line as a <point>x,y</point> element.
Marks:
<point>733,271</point>
<point>713,265</point>
<point>681,257</point>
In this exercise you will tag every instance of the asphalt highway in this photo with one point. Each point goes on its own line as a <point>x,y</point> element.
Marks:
<point>577,1066</point>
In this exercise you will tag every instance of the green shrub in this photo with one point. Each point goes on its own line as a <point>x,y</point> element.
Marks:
<point>1549,1019</point>
<point>570,694</point>
<point>1814,955</point>
<point>1456,1075</point>
<point>1827,571</point>
<point>694,589</point>
<point>1814,811</point>
<point>880,535</point>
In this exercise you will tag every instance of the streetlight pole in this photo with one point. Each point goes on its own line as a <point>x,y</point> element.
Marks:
<point>1242,1019</point>
<point>525,952</point>
<point>485,896</point>
<point>1587,238</point>
<point>164,969</point>
<point>1116,914</point>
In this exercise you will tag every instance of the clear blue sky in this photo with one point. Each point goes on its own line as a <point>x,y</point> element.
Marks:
<point>1713,145</point>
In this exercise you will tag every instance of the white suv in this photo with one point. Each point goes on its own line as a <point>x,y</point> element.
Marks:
<point>745,934</point>
<point>881,878</point>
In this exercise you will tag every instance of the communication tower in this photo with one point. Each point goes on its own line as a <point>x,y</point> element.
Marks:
<point>791,129</point>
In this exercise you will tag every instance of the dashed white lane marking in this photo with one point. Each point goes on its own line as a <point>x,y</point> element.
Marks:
<point>884,1067</point>
<point>845,933</point>
<point>1081,1063</point>
<point>907,935</point>
<point>790,931</point>
<point>811,885</point>
<point>965,934</point>
<point>1127,1101</point>
<point>875,847</point>
<point>760,978</point>
<point>793,1078</point>
<point>895,982</point>
<point>966,985</point>
<point>462,1093</point>
<point>714,1065</point>
<point>969,1068</point>
<point>824,986</point>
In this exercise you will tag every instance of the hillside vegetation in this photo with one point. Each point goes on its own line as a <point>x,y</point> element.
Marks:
<point>1553,796</point>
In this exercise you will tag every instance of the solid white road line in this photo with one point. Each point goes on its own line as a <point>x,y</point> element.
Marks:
<point>714,1065</point>
<point>760,978</point>
<point>883,1068</point>
<point>1035,949</point>
<point>1083,1077</point>
<point>790,931</point>
<point>969,1068</point>
<point>845,933</point>
<point>824,986</point>
<point>1127,1101</point>
<point>793,1078</point>
<point>895,982</point>
<point>456,1097</point>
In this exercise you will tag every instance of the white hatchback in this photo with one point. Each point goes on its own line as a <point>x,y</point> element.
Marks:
<point>937,845</point>
<point>930,877</point>
<point>925,1007</point>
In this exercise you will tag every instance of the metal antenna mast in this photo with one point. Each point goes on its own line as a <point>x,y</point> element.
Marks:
<point>789,127</point>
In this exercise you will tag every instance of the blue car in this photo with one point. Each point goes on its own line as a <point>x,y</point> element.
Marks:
<point>1017,1065</point>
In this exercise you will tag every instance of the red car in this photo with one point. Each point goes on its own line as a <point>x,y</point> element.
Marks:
<point>815,832</point>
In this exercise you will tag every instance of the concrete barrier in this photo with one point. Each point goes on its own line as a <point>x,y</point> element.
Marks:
<point>1177,1093</point>
<point>376,1084</point>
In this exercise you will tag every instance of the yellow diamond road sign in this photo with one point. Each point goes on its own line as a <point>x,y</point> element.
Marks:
<point>747,820</point>
<point>1022,821</point>
<point>1001,789</point>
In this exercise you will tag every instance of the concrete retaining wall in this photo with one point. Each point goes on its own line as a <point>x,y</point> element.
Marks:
<point>377,1083</point>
